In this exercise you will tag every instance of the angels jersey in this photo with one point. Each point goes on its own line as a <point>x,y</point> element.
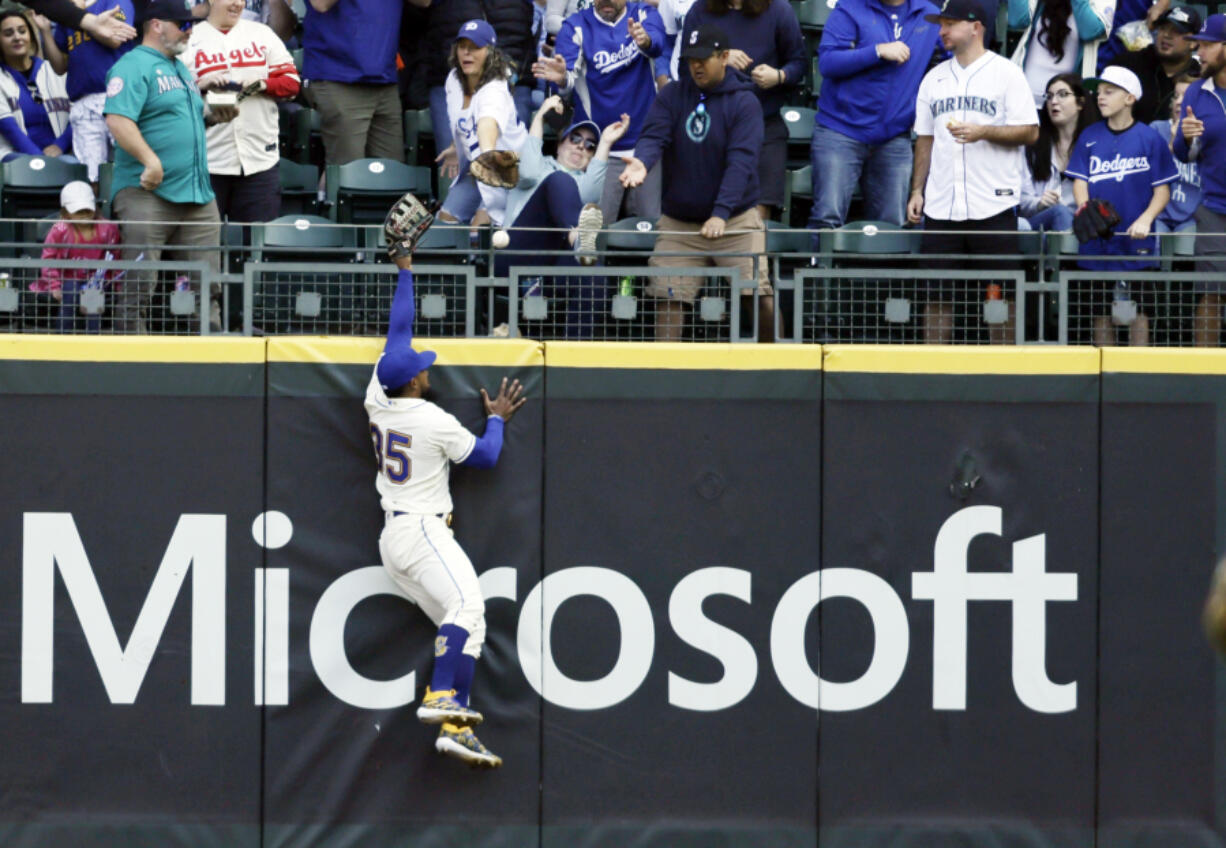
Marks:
<point>981,179</point>
<point>415,443</point>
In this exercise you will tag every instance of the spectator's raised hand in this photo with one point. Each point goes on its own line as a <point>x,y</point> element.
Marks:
<point>107,28</point>
<point>1191,126</point>
<point>634,174</point>
<point>739,59</point>
<point>894,51</point>
<point>449,163</point>
<point>640,36</point>
<point>550,68</point>
<point>553,103</point>
<point>614,131</point>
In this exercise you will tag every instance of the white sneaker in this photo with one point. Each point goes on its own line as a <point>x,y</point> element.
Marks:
<point>591,219</point>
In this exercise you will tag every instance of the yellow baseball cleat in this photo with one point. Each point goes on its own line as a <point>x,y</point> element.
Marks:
<point>463,744</point>
<point>438,707</point>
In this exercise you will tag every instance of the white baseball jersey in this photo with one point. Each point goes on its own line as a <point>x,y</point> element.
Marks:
<point>249,52</point>
<point>415,443</point>
<point>978,180</point>
<point>673,13</point>
<point>492,100</point>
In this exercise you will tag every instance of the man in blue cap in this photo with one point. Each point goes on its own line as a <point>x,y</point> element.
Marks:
<point>1202,139</point>
<point>415,443</point>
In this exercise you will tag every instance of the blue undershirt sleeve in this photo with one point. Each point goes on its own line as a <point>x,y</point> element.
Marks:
<point>17,139</point>
<point>485,452</point>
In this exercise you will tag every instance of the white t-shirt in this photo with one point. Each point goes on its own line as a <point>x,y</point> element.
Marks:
<point>492,100</point>
<point>415,443</point>
<point>978,180</point>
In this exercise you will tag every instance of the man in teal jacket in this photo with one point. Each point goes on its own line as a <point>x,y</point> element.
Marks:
<point>160,190</point>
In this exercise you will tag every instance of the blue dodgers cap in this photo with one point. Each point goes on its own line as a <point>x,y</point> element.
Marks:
<point>959,10</point>
<point>1214,29</point>
<point>397,367</point>
<point>477,31</point>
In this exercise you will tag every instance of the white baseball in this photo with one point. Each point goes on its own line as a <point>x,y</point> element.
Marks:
<point>501,239</point>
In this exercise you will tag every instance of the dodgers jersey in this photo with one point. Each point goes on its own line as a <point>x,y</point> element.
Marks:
<point>610,74</point>
<point>1122,167</point>
<point>415,443</point>
<point>978,180</point>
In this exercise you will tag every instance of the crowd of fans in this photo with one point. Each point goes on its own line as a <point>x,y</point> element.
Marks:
<point>665,109</point>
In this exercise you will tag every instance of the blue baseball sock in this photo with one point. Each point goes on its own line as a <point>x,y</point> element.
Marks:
<point>448,649</point>
<point>463,682</point>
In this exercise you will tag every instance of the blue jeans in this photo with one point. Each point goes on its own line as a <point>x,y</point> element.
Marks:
<point>840,162</point>
<point>442,124</point>
<point>1058,218</point>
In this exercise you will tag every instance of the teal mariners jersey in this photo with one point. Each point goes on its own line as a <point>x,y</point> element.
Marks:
<point>161,97</point>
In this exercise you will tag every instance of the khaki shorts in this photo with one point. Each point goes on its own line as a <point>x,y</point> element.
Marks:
<point>684,237</point>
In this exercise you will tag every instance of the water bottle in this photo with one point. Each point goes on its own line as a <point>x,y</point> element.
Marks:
<point>1121,291</point>
<point>4,279</point>
<point>183,283</point>
<point>1123,310</point>
<point>625,286</point>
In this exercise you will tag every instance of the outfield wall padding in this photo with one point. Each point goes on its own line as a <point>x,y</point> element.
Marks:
<point>746,596</point>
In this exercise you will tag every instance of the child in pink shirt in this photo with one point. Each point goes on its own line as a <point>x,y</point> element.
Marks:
<point>79,234</point>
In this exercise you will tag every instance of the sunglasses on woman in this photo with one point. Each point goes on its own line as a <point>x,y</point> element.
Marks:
<point>580,140</point>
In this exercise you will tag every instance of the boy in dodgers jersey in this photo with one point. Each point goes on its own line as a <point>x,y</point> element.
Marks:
<point>415,441</point>
<point>1127,163</point>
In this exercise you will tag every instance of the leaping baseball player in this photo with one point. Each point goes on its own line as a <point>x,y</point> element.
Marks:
<point>415,441</point>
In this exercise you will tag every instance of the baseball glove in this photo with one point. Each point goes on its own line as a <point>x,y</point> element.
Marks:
<point>497,168</point>
<point>405,224</point>
<point>1095,219</point>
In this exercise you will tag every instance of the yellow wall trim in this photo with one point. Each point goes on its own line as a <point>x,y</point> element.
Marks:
<point>237,351</point>
<point>505,353</point>
<point>681,356</point>
<point>956,359</point>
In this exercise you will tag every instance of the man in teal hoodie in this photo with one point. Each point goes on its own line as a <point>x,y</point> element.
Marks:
<point>707,130</point>
<point>872,56</point>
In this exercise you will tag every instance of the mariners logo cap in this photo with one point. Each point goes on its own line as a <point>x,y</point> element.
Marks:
<point>166,10</point>
<point>959,10</point>
<point>701,43</point>
<point>1214,29</point>
<point>1119,76</point>
<point>477,31</point>
<point>1183,18</point>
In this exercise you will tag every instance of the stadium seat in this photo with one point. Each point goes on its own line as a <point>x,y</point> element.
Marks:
<point>299,187</point>
<point>416,127</point>
<point>799,183</point>
<point>30,188</point>
<point>315,300</point>
<point>360,192</point>
<point>302,238</point>
<point>813,14</point>
<point>874,237</point>
<point>628,234</point>
<point>799,122</point>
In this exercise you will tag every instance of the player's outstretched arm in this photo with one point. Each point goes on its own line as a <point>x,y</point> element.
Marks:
<point>499,410</point>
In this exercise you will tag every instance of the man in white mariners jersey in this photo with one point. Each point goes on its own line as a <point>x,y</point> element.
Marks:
<point>415,442</point>
<point>973,115</point>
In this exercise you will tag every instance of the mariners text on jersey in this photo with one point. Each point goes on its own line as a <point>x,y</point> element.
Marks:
<point>963,103</point>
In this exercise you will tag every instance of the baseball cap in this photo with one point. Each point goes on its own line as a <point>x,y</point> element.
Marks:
<point>701,43</point>
<point>477,31</point>
<point>1117,75</point>
<point>77,195</point>
<point>167,10</point>
<point>959,10</point>
<point>397,367</point>
<point>1183,18</point>
<point>590,125</point>
<point>1214,29</point>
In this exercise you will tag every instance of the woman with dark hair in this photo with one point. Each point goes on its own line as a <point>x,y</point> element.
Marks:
<point>1047,196</point>
<point>766,46</point>
<point>483,117</point>
<point>33,97</point>
<point>1062,36</point>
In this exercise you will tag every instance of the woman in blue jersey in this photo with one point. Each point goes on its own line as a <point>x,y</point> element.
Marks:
<point>483,117</point>
<point>33,97</point>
